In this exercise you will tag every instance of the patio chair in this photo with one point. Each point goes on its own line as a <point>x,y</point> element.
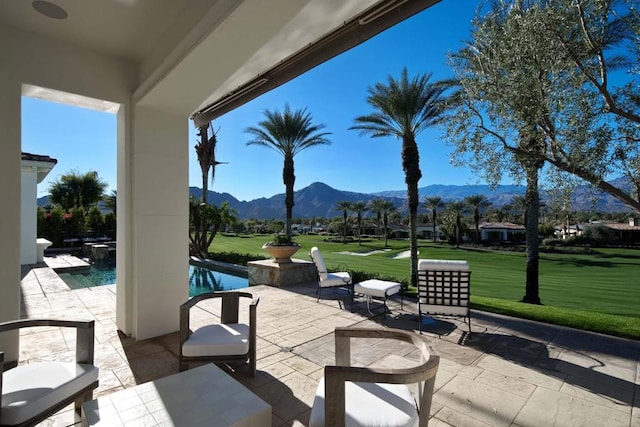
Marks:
<point>326,279</point>
<point>225,342</point>
<point>359,396</point>
<point>35,391</point>
<point>444,288</point>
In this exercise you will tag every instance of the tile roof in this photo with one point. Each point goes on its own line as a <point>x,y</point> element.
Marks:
<point>38,158</point>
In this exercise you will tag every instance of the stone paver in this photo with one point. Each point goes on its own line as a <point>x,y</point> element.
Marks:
<point>508,372</point>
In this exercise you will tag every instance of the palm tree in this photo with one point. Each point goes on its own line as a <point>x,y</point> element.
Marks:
<point>433,204</point>
<point>457,209</point>
<point>110,201</point>
<point>345,207</point>
<point>375,205</point>
<point>288,133</point>
<point>387,209</point>
<point>359,208</point>
<point>403,108</point>
<point>477,202</point>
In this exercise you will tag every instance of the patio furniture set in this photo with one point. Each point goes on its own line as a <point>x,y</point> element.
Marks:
<point>346,394</point>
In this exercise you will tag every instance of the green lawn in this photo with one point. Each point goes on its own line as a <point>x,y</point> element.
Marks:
<point>596,291</point>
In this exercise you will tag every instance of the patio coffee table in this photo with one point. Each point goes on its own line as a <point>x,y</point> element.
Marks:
<point>374,288</point>
<point>205,395</point>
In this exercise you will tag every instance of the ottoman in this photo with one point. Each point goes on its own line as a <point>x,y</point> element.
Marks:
<point>374,288</point>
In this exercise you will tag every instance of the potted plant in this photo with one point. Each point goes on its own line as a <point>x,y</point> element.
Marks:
<point>281,248</point>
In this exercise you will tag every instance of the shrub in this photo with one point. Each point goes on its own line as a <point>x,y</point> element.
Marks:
<point>598,233</point>
<point>234,257</point>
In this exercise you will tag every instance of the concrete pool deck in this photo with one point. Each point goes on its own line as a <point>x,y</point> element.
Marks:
<point>509,372</point>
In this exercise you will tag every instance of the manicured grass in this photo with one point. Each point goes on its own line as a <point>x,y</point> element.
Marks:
<point>596,291</point>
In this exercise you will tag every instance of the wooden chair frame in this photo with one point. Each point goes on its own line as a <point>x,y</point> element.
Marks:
<point>85,333</point>
<point>229,314</point>
<point>336,376</point>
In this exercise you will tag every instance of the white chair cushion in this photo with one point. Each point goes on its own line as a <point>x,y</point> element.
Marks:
<point>319,262</point>
<point>377,288</point>
<point>28,390</point>
<point>218,340</point>
<point>441,264</point>
<point>370,404</point>
<point>340,278</point>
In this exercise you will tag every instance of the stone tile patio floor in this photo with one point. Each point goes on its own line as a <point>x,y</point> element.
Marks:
<point>509,372</point>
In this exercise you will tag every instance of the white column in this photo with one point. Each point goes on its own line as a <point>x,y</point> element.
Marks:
<point>156,190</point>
<point>10,188</point>
<point>28,229</point>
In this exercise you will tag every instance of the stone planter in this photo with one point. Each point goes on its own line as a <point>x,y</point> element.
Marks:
<point>281,253</point>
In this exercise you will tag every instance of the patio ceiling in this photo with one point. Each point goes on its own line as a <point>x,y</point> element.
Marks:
<point>192,55</point>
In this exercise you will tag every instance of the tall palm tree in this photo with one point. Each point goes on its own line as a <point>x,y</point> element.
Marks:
<point>359,208</point>
<point>288,132</point>
<point>345,207</point>
<point>388,208</point>
<point>457,209</point>
<point>477,202</point>
<point>433,204</point>
<point>375,205</point>
<point>403,108</point>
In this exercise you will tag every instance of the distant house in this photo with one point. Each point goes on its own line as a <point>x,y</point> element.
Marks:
<point>34,168</point>
<point>501,232</point>
<point>627,233</point>
<point>574,230</point>
<point>424,231</point>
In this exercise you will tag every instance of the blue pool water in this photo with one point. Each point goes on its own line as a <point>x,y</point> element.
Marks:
<point>201,279</point>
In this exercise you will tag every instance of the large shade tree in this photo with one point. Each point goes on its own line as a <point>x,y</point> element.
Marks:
<point>518,106</point>
<point>403,108</point>
<point>288,132</point>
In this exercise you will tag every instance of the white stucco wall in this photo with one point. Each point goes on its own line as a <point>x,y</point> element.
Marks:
<point>10,188</point>
<point>160,204</point>
<point>28,228</point>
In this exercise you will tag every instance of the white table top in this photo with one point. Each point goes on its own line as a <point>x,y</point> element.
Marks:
<point>201,396</point>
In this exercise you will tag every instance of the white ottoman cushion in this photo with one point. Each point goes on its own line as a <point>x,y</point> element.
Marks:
<point>377,288</point>
<point>28,390</point>
<point>370,404</point>
<point>218,340</point>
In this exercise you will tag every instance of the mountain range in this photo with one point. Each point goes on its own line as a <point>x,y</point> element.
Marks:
<point>318,199</point>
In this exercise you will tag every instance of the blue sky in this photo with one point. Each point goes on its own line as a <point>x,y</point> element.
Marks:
<point>334,93</point>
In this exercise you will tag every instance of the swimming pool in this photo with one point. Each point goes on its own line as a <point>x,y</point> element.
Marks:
<point>201,279</point>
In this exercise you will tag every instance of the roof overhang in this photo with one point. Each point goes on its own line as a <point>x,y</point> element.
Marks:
<point>351,33</point>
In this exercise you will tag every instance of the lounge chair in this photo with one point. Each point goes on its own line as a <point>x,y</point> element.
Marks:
<point>225,342</point>
<point>33,392</point>
<point>326,279</point>
<point>359,396</point>
<point>444,288</point>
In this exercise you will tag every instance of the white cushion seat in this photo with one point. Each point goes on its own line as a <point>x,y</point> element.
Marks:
<point>28,390</point>
<point>218,339</point>
<point>377,288</point>
<point>394,405</point>
<point>340,278</point>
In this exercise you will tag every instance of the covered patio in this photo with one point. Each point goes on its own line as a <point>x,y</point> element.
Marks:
<point>160,66</point>
<point>509,372</point>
